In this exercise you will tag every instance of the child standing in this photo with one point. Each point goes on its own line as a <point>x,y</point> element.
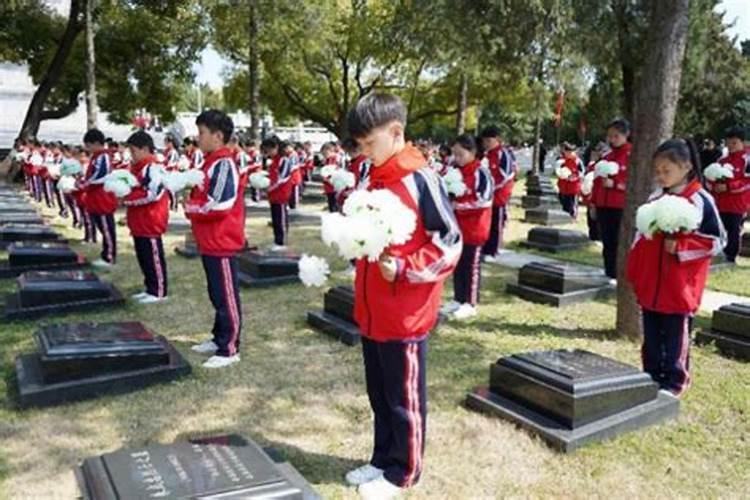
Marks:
<point>397,298</point>
<point>668,271</point>
<point>280,188</point>
<point>474,214</point>
<point>147,218</point>
<point>570,187</point>
<point>100,204</point>
<point>732,195</point>
<point>217,215</point>
<point>330,157</point>
<point>503,169</point>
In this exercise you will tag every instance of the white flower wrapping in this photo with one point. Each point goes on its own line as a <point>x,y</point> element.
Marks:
<point>454,182</point>
<point>606,168</point>
<point>120,183</point>
<point>66,184</point>
<point>260,180</point>
<point>717,172</point>
<point>180,181</point>
<point>342,179</point>
<point>36,159</point>
<point>563,173</point>
<point>313,270</point>
<point>327,171</point>
<point>372,221</point>
<point>70,166</point>
<point>668,214</point>
<point>183,163</point>
<point>53,169</point>
<point>588,183</point>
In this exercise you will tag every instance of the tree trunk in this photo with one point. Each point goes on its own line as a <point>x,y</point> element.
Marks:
<point>35,112</point>
<point>463,91</point>
<point>92,108</point>
<point>254,72</point>
<point>656,99</point>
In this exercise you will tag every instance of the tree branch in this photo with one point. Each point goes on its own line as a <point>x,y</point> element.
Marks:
<point>62,112</point>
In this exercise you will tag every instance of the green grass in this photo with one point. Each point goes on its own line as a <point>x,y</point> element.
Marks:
<point>303,393</point>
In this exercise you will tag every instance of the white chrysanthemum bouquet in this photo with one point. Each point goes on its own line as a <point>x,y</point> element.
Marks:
<point>667,214</point>
<point>562,172</point>
<point>454,182</point>
<point>120,183</point>
<point>372,221</point>
<point>260,180</point>
<point>53,169</point>
<point>716,172</point>
<point>606,168</point>
<point>313,270</point>
<point>326,171</point>
<point>183,163</point>
<point>71,167</point>
<point>66,184</point>
<point>36,159</point>
<point>588,183</point>
<point>180,181</point>
<point>342,179</point>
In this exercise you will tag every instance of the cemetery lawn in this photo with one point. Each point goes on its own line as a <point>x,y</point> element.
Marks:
<point>303,393</point>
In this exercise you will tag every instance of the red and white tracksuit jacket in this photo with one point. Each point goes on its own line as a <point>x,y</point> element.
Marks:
<point>736,198</point>
<point>217,208</point>
<point>360,167</point>
<point>613,197</point>
<point>503,169</point>
<point>331,160</point>
<point>98,201</point>
<point>571,185</point>
<point>474,208</point>
<point>281,179</point>
<point>147,203</point>
<point>673,283</point>
<point>407,309</point>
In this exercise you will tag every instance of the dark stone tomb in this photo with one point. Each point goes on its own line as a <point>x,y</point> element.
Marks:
<point>15,207</point>
<point>258,269</point>
<point>539,186</point>
<point>84,360</point>
<point>745,245</point>
<point>337,317</point>
<point>572,398</point>
<point>20,218</point>
<point>221,467</point>
<point>560,284</point>
<point>53,292</point>
<point>189,248</point>
<point>547,217</point>
<point>720,262</point>
<point>536,201</point>
<point>12,233</point>
<point>555,240</point>
<point>39,256</point>
<point>730,331</point>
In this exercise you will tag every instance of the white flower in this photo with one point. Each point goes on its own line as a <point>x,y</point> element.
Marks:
<point>66,184</point>
<point>454,182</point>
<point>53,169</point>
<point>342,179</point>
<point>179,181</point>
<point>327,171</point>
<point>330,227</point>
<point>19,156</point>
<point>717,172</point>
<point>157,174</point>
<point>260,180</point>
<point>668,214</point>
<point>70,167</point>
<point>313,270</point>
<point>588,183</point>
<point>36,159</point>
<point>606,168</point>
<point>183,163</point>
<point>120,183</point>
<point>160,157</point>
<point>563,173</point>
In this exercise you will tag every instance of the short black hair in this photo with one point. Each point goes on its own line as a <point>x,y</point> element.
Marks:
<point>141,139</point>
<point>681,151</point>
<point>270,142</point>
<point>621,125</point>
<point>490,132</point>
<point>566,146</point>
<point>467,142</point>
<point>216,121</point>
<point>735,133</point>
<point>375,110</point>
<point>94,136</point>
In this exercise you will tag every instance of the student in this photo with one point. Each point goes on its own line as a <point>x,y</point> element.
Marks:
<point>359,166</point>
<point>330,157</point>
<point>474,213</point>
<point>171,162</point>
<point>732,196</point>
<point>217,215</point>
<point>280,188</point>
<point>503,168</point>
<point>100,204</point>
<point>570,188</point>
<point>397,298</point>
<point>668,272</point>
<point>608,195</point>
<point>193,153</point>
<point>587,198</point>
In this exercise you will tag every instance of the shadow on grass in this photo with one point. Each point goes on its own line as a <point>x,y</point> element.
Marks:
<point>534,329</point>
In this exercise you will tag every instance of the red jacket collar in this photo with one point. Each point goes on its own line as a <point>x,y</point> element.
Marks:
<point>397,166</point>
<point>140,165</point>
<point>689,190</point>
<point>222,152</point>
<point>470,168</point>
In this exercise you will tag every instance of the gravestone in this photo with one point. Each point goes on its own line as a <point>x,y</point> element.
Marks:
<point>719,262</point>
<point>15,207</point>
<point>12,233</point>
<point>220,467</point>
<point>53,292</point>
<point>555,240</point>
<point>178,225</point>
<point>337,317</point>
<point>535,201</point>
<point>539,186</point>
<point>189,247</point>
<point>20,218</point>
<point>39,256</point>
<point>258,269</point>
<point>572,398</point>
<point>745,245</point>
<point>313,191</point>
<point>730,331</point>
<point>560,284</point>
<point>547,217</point>
<point>84,360</point>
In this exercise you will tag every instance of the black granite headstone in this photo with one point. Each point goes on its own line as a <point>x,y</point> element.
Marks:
<point>39,256</point>
<point>26,232</point>
<point>221,467</point>
<point>745,246</point>
<point>189,248</point>
<point>719,262</point>
<point>258,269</point>
<point>555,240</point>
<point>560,284</point>
<point>337,317</point>
<point>20,218</point>
<point>45,292</point>
<point>572,398</point>
<point>84,360</point>
<point>15,207</point>
<point>547,217</point>
<point>536,201</point>
<point>730,331</point>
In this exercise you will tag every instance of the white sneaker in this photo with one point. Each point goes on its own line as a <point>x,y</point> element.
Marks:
<point>363,474</point>
<point>207,347</point>
<point>465,311</point>
<point>102,264</point>
<point>490,259</point>
<point>151,299</point>
<point>277,248</point>
<point>138,296</point>
<point>221,361</point>
<point>379,489</point>
<point>613,282</point>
<point>450,307</point>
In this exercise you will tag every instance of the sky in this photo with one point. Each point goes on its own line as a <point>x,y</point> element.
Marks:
<point>209,69</point>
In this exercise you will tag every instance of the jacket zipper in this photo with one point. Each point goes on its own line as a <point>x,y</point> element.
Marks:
<point>658,274</point>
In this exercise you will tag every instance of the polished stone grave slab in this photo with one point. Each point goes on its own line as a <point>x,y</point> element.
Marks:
<point>730,331</point>
<point>188,248</point>
<point>20,218</point>
<point>259,269</point>
<point>560,284</point>
<point>555,240</point>
<point>337,317</point>
<point>547,217</point>
<point>26,256</point>
<point>571,398</point>
<point>536,201</point>
<point>12,233</point>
